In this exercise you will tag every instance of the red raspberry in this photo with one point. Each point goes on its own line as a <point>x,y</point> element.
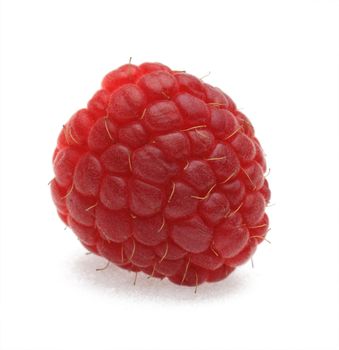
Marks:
<point>162,174</point>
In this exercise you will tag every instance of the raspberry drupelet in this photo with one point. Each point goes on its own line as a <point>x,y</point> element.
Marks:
<point>162,174</point>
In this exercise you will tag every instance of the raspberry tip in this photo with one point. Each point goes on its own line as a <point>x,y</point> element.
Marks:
<point>104,267</point>
<point>185,272</point>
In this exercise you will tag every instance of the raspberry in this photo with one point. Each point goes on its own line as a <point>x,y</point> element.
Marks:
<point>162,174</point>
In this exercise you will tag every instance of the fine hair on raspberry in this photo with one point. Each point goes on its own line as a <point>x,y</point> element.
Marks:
<point>161,173</point>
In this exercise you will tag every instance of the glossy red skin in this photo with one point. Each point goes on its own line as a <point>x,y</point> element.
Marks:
<point>162,174</point>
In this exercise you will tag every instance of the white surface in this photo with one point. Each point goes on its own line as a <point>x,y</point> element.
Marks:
<point>279,61</point>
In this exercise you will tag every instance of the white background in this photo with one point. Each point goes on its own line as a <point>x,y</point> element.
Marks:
<point>279,61</point>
